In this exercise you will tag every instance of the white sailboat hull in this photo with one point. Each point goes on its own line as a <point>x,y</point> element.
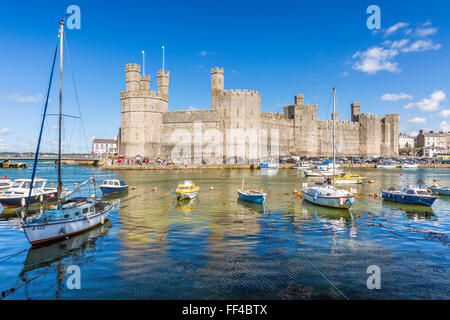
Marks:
<point>332,202</point>
<point>348,181</point>
<point>39,233</point>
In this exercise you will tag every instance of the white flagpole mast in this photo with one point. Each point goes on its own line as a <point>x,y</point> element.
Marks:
<point>143,62</point>
<point>163,58</point>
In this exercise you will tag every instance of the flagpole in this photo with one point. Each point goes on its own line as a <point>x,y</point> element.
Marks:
<point>163,58</point>
<point>143,62</point>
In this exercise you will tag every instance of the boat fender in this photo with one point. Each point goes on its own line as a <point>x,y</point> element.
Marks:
<point>41,198</point>
<point>102,220</point>
<point>341,201</point>
<point>315,196</point>
<point>22,202</point>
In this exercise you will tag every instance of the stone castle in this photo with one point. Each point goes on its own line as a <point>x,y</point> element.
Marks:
<point>148,127</point>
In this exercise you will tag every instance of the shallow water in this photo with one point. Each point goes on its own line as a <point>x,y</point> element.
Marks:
<point>220,248</point>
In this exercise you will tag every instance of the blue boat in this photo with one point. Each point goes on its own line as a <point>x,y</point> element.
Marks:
<point>268,165</point>
<point>113,186</point>
<point>410,195</point>
<point>445,191</point>
<point>252,196</point>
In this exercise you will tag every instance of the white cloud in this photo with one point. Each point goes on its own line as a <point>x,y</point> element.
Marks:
<point>418,120</point>
<point>204,53</point>
<point>382,57</point>
<point>421,45</point>
<point>344,74</point>
<point>445,126</point>
<point>432,103</point>
<point>375,59</point>
<point>395,96</point>
<point>5,131</point>
<point>391,30</point>
<point>399,44</point>
<point>444,113</point>
<point>26,98</point>
<point>423,32</point>
<point>191,108</point>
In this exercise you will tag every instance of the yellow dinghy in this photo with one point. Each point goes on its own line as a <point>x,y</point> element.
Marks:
<point>186,190</point>
<point>349,178</point>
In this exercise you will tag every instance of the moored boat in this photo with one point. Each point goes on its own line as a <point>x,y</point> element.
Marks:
<point>252,196</point>
<point>268,165</point>
<point>329,196</point>
<point>186,190</point>
<point>5,184</point>
<point>319,173</point>
<point>67,217</point>
<point>386,165</point>
<point>113,186</point>
<point>349,178</point>
<point>17,195</point>
<point>409,165</point>
<point>302,165</point>
<point>444,191</point>
<point>63,221</point>
<point>410,195</point>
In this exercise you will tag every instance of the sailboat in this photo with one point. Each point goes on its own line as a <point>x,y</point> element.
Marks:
<point>68,217</point>
<point>328,195</point>
<point>251,195</point>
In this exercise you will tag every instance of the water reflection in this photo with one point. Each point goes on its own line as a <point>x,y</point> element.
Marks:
<point>413,212</point>
<point>187,205</point>
<point>77,250</point>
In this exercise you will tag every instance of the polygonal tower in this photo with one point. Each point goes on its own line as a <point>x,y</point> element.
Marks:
<point>141,113</point>
<point>217,85</point>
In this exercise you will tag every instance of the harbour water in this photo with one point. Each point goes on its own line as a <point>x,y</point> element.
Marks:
<point>220,248</point>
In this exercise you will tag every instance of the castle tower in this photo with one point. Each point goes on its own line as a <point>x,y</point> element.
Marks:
<point>335,116</point>
<point>305,125</point>
<point>163,84</point>
<point>217,85</point>
<point>141,113</point>
<point>355,111</point>
<point>299,99</point>
<point>133,76</point>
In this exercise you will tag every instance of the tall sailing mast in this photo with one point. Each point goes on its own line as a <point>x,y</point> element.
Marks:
<point>334,129</point>
<point>61,42</point>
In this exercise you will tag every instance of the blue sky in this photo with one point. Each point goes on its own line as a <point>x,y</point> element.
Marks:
<point>277,48</point>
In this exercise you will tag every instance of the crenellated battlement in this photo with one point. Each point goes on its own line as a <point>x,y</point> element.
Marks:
<point>239,93</point>
<point>190,116</point>
<point>340,124</point>
<point>132,67</point>
<point>276,117</point>
<point>217,70</point>
<point>369,117</point>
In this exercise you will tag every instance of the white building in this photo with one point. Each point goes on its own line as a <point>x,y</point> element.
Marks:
<point>104,146</point>
<point>431,151</point>
<point>405,140</point>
